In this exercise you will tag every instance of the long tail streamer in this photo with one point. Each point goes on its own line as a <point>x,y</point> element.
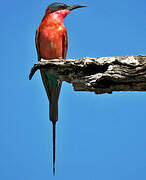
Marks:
<point>54,134</point>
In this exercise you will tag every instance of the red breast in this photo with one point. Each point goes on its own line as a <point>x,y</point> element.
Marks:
<point>51,32</point>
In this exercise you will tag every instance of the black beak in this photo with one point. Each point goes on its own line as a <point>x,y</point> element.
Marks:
<point>74,7</point>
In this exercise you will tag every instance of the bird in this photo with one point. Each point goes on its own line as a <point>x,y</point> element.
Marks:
<point>52,43</point>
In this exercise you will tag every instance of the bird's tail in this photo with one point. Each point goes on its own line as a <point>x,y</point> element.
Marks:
<point>52,86</point>
<point>53,102</point>
<point>53,112</point>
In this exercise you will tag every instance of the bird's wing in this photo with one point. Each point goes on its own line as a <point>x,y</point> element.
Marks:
<point>44,78</point>
<point>37,44</point>
<point>65,45</point>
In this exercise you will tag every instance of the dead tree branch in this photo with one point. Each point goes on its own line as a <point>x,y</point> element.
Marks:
<point>99,75</point>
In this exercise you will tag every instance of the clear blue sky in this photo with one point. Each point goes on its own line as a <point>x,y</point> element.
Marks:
<point>98,136</point>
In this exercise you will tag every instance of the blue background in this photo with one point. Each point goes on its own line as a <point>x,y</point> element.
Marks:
<point>98,136</point>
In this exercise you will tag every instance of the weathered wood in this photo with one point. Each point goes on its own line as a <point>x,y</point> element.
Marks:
<point>100,75</point>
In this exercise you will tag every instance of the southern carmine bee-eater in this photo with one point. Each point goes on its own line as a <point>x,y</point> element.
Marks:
<point>52,43</point>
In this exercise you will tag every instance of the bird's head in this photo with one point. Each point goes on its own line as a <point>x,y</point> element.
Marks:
<point>61,9</point>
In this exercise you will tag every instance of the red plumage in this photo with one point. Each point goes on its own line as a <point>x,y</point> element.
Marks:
<point>51,36</point>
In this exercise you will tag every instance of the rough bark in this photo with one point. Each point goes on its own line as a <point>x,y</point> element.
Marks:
<point>99,75</point>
